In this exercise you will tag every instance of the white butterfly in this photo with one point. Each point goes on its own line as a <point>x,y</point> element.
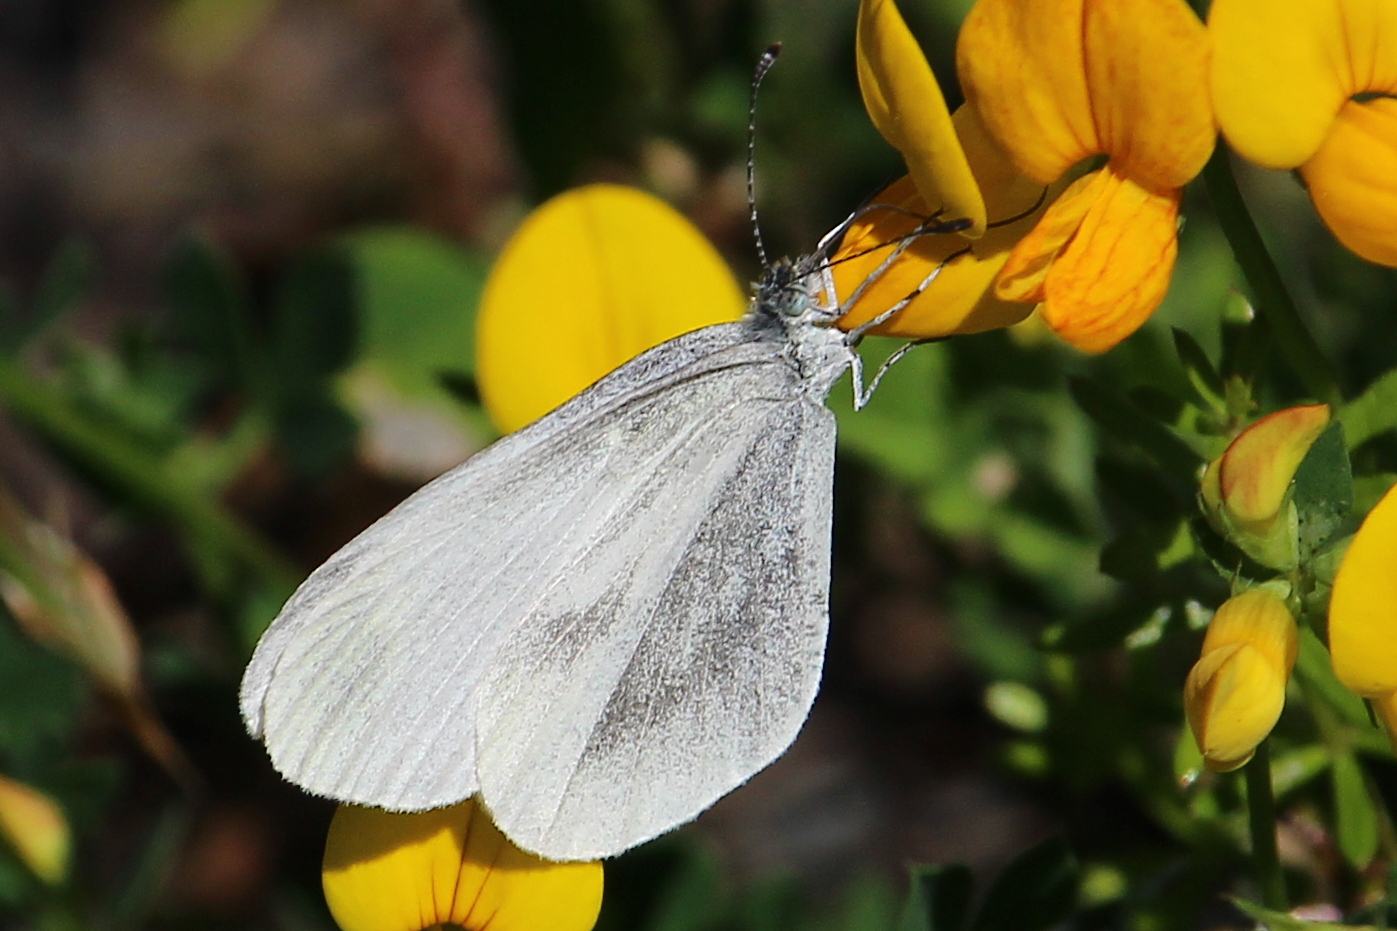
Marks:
<point>605,621</point>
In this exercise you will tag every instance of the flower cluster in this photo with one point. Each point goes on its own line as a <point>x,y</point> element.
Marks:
<point>1100,111</point>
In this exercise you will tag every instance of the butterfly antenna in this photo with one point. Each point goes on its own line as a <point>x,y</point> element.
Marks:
<point>763,66</point>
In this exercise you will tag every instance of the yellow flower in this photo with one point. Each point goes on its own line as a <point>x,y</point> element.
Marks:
<point>35,827</point>
<point>593,277</point>
<point>1060,81</point>
<point>1235,692</point>
<point>1363,613</point>
<point>1246,491</point>
<point>1308,84</point>
<point>955,172</point>
<point>409,872</point>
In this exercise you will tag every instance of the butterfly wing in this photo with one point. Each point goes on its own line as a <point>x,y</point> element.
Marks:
<point>680,654</point>
<point>364,687</point>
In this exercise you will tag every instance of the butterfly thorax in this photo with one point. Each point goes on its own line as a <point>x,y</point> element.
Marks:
<point>788,306</point>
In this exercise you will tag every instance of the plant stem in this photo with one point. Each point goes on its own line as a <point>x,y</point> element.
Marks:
<point>1261,818</point>
<point>1294,340</point>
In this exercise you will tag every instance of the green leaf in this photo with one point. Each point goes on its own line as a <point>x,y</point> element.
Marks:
<point>66,279</point>
<point>462,386</point>
<point>1372,412</point>
<point>1188,759</point>
<point>1323,492</point>
<point>1124,420</point>
<point>41,695</point>
<point>691,896</point>
<point>1294,768</point>
<point>1313,666</point>
<point>1368,490</point>
<point>1204,378</point>
<point>1135,554</point>
<point>316,433</point>
<point>1034,892</point>
<point>209,310</point>
<point>869,904</point>
<point>417,296</point>
<point>1356,820</point>
<point>315,330</point>
<point>938,899</point>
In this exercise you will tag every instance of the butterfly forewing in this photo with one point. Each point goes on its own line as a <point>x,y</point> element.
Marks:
<point>656,675</point>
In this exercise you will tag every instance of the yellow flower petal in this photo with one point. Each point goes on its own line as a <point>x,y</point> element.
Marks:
<point>1025,275</point>
<point>1363,607</point>
<point>1258,466</point>
<point>408,872</point>
<point>906,105</point>
<point>1104,284</point>
<point>1353,178</point>
<point>1258,619</point>
<point>1235,692</point>
<point>1021,66</point>
<point>1283,68</point>
<point>1147,72</point>
<point>1233,697</point>
<point>1057,81</point>
<point>592,278</point>
<point>34,825</point>
<point>960,298</point>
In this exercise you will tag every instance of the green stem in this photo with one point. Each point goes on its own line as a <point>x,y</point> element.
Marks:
<point>1273,302</point>
<point>143,476</point>
<point>1261,819</point>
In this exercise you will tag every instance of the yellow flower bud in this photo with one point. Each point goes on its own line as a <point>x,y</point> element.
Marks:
<point>1247,491</point>
<point>408,872</point>
<point>1235,692</point>
<point>1363,613</point>
<point>34,825</point>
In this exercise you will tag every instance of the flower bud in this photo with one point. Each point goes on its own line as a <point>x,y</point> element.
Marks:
<point>1363,613</point>
<point>1235,692</point>
<point>34,825</point>
<point>1246,492</point>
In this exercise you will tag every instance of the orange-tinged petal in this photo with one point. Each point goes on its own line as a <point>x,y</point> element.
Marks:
<point>1147,73</point>
<point>34,825</point>
<point>1233,697</point>
<point>1363,606</point>
<point>1059,80</point>
<point>1258,466</point>
<point>592,278</point>
<point>1115,271</point>
<point>1021,65</point>
<point>960,299</point>
<point>1025,275</point>
<point>408,872</point>
<point>1283,68</point>
<point>1353,178</point>
<point>906,105</point>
